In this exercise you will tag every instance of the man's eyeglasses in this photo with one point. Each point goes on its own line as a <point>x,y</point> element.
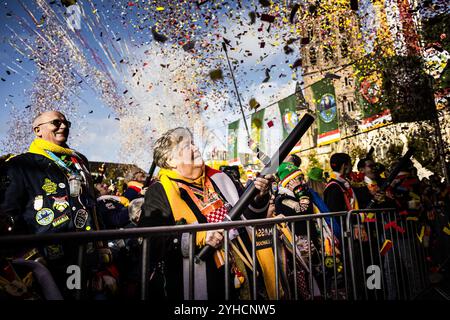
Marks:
<point>57,123</point>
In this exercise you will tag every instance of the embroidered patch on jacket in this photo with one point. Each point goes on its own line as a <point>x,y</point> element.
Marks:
<point>60,203</point>
<point>60,220</point>
<point>49,186</point>
<point>45,216</point>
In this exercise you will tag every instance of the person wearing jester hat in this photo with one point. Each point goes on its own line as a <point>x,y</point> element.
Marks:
<point>49,189</point>
<point>189,192</point>
<point>295,197</point>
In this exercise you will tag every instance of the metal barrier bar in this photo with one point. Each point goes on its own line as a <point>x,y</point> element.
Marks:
<point>311,273</point>
<point>380,261</point>
<point>191,266</point>
<point>323,264</point>
<point>144,268</point>
<point>351,258</point>
<point>404,257</point>
<point>388,268</point>
<point>407,252</point>
<point>361,252</point>
<point>343,259</point>
<point>255,297</point>
<point>415,253</point>
<point>351,255</point>
<point>394,258</point>
<point>421,258</point>
<point>79,294</point>
<point>294,258</point>
<point>88,236</point>
<point>334,258</point>
<point>227,266</point>
<point>369,243</point>
<point>275,252</point>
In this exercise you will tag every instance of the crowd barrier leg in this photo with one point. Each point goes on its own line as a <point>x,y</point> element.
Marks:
<point>294,260</point>
<point>371,253</point>
<point>422,260</point>
<point>311,272</point>
<point>275,252</point>
<point>391,258</point>
<point>334,258</point>
<point>191,292</point>
<point>255,295</point>
<point>361,253</point>
<point>79,294</point>
<point>227,265</point>
<point>344,256</point>
<point>325,291</point>
<point>351,256</point>
<point>144,269</point>
<point>380,260</point>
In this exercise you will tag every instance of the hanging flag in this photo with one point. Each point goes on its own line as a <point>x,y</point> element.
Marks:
<point>288,111</point>
<point>257,128</point>
<point>272,130</point>
<point>369,96</point>
<point>233,130</point>
<point>325,101</point>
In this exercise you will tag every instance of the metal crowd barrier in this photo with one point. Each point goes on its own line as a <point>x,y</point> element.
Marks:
<point>394,248</point>
<point>339,276</point>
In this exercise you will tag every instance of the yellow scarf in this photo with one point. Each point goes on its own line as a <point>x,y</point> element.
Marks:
<point>38,146</point>
<point>180,209</point>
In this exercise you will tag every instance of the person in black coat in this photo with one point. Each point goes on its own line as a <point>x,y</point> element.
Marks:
<point>49,189</point>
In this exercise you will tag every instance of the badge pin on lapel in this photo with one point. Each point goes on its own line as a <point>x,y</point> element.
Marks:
<point>38,203</point>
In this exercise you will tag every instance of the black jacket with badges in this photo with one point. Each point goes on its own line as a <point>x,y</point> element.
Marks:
<point>34,191</point>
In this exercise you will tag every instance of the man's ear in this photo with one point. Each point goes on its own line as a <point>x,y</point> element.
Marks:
<point>37,131</point>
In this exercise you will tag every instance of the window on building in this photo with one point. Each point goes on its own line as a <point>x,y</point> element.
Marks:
<point>341,25</point>
<point>328,53</point>
<point>310,32</point>
<point>326,28</point>
<point>350,82</point>
<point>344,48</point>
<point>352,106</point>
<point>312,56</point>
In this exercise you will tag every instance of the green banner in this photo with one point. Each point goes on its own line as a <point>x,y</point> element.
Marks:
<point>233,130</point>
<point>289,117</point>
<point>369,92</point>
<point>257,128</point>
<point>326,109</point>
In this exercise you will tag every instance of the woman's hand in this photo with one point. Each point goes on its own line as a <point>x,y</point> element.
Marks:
<point>263,185</point>
<point>214,238</point>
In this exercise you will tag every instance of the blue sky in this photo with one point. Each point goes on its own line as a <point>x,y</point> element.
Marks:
<point>121,88</point>
<point>116,40</point>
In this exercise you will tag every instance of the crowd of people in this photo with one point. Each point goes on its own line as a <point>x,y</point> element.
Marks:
<point>49,189</point>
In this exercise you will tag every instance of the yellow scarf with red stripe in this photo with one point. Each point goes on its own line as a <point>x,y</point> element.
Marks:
<point>180,209</point>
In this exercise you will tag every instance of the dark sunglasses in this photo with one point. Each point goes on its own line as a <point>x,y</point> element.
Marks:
<point>57,123</point>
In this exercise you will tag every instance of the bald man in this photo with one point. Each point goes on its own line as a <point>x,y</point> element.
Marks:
<point>53,127</point>
<point>49,188</point>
